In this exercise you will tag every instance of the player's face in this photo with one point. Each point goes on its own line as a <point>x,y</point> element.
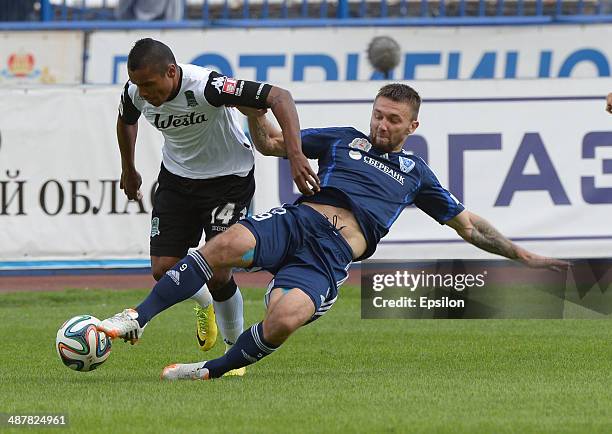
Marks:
<point>154,87</point>
<point>390,124</point>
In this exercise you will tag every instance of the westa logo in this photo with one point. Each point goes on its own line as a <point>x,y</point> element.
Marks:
<point>179,121</point>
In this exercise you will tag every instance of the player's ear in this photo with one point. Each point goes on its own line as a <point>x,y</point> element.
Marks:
<point>171,72</point>
<point>413,126</point>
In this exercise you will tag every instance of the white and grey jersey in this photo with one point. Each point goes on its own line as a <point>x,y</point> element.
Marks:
<point>202,137</point>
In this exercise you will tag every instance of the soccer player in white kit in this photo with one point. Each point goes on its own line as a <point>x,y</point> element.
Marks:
<point>206,180</point>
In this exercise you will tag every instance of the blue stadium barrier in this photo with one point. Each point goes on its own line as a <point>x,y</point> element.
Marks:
<point>99,14</point>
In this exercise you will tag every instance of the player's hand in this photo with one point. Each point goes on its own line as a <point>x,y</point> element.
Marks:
<point>537,261</point>
<point>305,178</point>
<point>130,184</point>
<point>609,103</point>
<point>251,112</point>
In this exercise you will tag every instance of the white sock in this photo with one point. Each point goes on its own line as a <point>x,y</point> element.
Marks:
<point>203,297</point>
<point>229,317</point>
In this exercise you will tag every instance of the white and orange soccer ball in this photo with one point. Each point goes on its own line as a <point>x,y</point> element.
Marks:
<point>80,346</point>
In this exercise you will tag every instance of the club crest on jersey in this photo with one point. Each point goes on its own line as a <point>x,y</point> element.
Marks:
<point>361,144</point>
<point>191,99</point>
<point>230,85</point>
<point>406,164</point>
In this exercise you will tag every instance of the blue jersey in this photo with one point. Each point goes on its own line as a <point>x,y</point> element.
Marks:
<point>375,186</point>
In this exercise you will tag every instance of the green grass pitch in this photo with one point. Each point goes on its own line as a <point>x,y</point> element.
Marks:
<point>340,374</point>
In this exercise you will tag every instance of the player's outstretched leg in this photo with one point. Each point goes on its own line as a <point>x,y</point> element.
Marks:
<point>289,312</point>
<point>183,280</point>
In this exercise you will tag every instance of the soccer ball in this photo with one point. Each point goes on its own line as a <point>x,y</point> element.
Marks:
<point>80,346</point>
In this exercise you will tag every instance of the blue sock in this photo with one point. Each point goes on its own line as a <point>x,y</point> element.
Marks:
<point>178,284</point>
<point>250,347</point>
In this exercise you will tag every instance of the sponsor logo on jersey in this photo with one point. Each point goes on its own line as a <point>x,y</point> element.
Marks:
<point>230,86</point>
<point>186,120</point>
<point>361,144</point>
<point>217,82</point>
<point>258,94</point>
<point>191,99</point>
<point>384,168</point>
<point>155,227</point>
<point>406,164</point>
<point>239,89</point>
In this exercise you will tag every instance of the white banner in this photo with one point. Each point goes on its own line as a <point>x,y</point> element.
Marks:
<point>339,54</point>
<point>59,171</point>
<point>41,58</point>
<point>533,157</point>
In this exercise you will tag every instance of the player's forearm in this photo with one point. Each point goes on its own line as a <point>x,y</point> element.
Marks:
<point>283,107</point>
<point>264,137</point>
<point>484,236</point>
<point>126,137</point>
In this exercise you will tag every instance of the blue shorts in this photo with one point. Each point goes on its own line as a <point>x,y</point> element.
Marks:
<point>303,250</point>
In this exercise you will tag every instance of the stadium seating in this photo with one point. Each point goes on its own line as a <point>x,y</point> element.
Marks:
<point>94,10</point>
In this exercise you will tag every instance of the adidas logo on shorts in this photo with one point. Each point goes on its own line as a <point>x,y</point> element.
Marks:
<point>175,276</point>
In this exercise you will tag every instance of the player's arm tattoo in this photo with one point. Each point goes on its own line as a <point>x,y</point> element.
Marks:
<point>486,237</point>
<point>258,133</point>
<point>274,100</point>
<point>266,138</point>
<point>479,232</point>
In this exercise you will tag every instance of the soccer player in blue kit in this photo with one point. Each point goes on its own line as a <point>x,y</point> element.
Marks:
<point>366,181</point>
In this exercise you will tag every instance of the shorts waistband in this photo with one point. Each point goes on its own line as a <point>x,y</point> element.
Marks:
<point>221,180</point>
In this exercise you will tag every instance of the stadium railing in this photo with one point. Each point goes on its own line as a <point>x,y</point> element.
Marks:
<point>99,14</point>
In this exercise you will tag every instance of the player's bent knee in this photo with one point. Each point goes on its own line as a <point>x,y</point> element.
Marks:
<point>218,250</point>
<point>228,248</point>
